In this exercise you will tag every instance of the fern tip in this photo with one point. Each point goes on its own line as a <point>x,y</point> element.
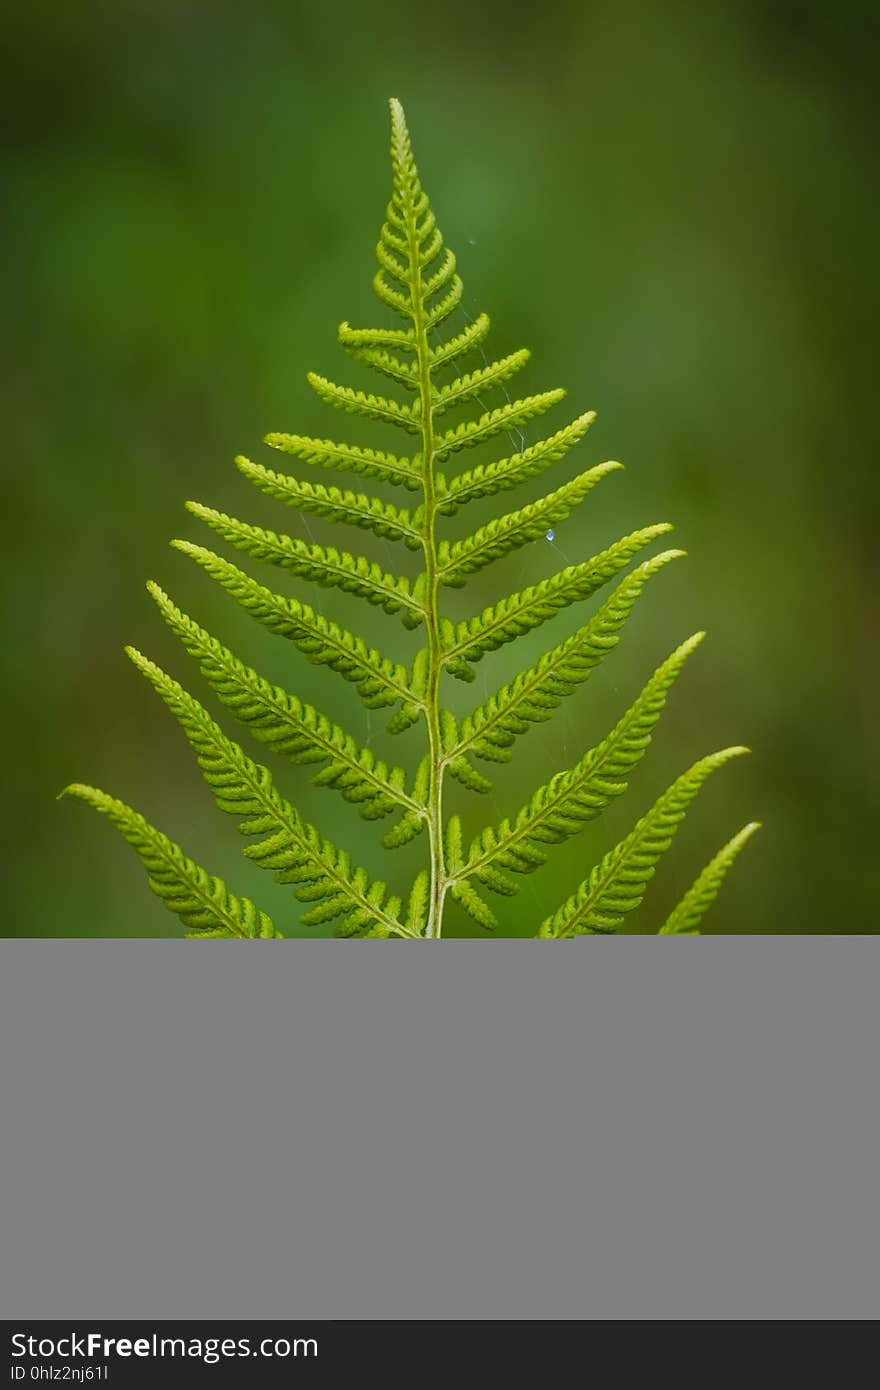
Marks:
<point>79,789</point>
<point>137,658</point>
<point>655,562</point>
<point>159,596</point>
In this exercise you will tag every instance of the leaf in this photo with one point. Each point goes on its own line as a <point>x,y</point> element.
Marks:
<point>465,388</point>
<point>377,680</point>
<point>505,533</point>
<point>510,416</point>
<point>290,727</point>
<point>292,849</point>
<point>351,508</point>
<point>471,640</point>
<point>617,885</point>
<point>473,904</point>
<point>533,696</point>
<point>417,907</point>
<point>487,479</point>
<point>360,403</point>
<point>323,453</point>
<point>402,339</point>
<point>685,918</point>
<point>466,341</point>
<point>563,806</point>
<point>322,565</point>
<point>204,904</point>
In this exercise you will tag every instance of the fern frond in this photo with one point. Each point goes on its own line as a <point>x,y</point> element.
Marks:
<point>326,566</point>
<point>290,726</point>
<point>361,403</point>
<point>418,279</point>
<point>464,388</point>
<point>335,504</point>
<point>564,805</point>
<point>470,640</point>
<point>685,917</point>
<point>511,416</point>
<point>289,847</point>
<point>377,680</point>
<point>324,453</point>
<point>505,533</point>
<point>617,885</point>
<point>203,903</point>
<point>491,729</point>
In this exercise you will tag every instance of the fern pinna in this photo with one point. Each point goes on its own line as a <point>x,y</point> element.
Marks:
<point>417,279</point>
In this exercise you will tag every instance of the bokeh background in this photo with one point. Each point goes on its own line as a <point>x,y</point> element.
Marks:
<point>675,207</point>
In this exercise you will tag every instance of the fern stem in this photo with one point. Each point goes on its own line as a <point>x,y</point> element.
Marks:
<point>437,868</point>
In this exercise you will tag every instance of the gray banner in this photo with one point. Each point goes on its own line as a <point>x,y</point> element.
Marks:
<point>611,1129</point>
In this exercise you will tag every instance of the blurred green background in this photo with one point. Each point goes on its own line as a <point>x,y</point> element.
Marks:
<point>675,207</point>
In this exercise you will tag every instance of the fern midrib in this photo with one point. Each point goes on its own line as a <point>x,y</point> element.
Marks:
<point>438,884</point>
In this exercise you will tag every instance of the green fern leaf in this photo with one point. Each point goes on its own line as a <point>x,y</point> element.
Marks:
<point>290,727</point>
<point>505,533</point>
<point>565,804</point>
<point>323,453</point>
<point>360,403</point>
<point>388,365</point>
<point>203,903</point>
<point>685,918</point>
<point>350,508</point>
<point>467,341</point>
<point>403,339</point>
<point>322,565</point>
<point>378,681</point>
<point>487,479</point>
<point>417,906</point>
<point>473,904</point>
<point>471,640</point>
<point>617,885</point>
<point>417,278</point>
<point>490,730</point>
<point>511,416</point>
<point>293,850</point>
<point>464,388</point>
